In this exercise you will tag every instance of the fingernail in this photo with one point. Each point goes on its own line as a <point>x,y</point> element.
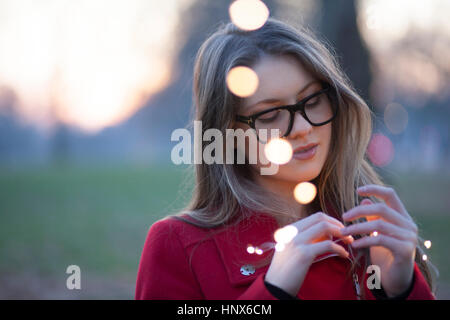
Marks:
<point>348,239</point>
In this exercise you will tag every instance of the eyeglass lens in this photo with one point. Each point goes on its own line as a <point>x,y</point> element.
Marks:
<point>318,109</point>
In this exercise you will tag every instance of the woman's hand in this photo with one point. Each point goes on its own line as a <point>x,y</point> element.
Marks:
<point>393,248</point>
<point>289,266</point>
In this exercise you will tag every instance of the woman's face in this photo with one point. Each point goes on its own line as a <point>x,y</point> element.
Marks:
<point>282,78</point>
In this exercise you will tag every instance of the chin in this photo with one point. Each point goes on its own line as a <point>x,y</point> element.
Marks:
<point>299,173</point>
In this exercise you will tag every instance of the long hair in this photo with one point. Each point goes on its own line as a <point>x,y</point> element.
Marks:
<point>226,192</point>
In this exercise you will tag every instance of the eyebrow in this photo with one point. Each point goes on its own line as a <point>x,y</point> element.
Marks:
<point>273,100</point>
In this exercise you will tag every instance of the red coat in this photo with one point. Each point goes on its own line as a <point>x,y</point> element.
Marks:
<point>178,262</point>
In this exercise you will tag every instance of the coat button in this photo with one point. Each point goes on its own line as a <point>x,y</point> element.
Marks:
<point>247,270</point>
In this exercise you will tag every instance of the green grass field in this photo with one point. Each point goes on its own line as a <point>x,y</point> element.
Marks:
<point>97,218</point>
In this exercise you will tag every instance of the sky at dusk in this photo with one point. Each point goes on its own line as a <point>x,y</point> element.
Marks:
<point>92,64</point>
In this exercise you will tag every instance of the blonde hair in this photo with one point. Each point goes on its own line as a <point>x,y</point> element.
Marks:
<point>226,192</point>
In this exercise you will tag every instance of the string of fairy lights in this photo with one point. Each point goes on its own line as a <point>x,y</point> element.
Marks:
<point>242,81</point>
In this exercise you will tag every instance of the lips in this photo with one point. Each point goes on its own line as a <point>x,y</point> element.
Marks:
<point>305,153</point>
<point>305,148</point>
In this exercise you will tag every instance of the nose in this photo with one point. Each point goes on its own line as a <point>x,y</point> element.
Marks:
<point>300,127</point>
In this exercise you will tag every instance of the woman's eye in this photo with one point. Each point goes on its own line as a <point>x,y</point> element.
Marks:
<point>312,102</point>
<point>270,116</point>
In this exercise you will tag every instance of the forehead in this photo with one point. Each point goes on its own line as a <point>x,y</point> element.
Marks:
<point>280,77</point>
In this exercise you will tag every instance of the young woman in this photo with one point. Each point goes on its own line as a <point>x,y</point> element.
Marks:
<point>202,252</point>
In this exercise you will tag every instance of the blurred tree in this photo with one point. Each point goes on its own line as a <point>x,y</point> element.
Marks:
<point>170,109</point>
<point>337,22</point>
<point>60,141</point>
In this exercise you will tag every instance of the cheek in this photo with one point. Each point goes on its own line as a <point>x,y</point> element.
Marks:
<point>325,137</point>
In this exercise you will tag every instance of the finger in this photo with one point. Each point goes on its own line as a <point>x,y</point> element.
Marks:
<point>387,194</point>
<point>380,226</point>
<point>381,210</point>
<point>315,218</point>
<point>321,231</point>
<point>367,202</point>
<point>325,247</point>
<point>400,248</point>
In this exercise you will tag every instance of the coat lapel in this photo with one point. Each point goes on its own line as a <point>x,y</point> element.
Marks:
<point>233,241</point>
<point>232,245</point>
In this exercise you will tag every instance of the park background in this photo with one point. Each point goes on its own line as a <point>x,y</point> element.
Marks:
<point>90,92</point>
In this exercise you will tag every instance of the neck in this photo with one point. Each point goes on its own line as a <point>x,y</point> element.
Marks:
<point>285,190</point>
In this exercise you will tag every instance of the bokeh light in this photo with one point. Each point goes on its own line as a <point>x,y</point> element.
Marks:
<point>242,81</point>
<point>278,151</point>
<point>305,192</point>
<point>427,244</point>
<point>248,14</point>
<point>280,246</point>
<point>285,234</point>
<point>380,150</point>
<point>322,238</point>
<point>395,118</point>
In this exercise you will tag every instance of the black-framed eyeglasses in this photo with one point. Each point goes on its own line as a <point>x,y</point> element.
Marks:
<point>318,109</point>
